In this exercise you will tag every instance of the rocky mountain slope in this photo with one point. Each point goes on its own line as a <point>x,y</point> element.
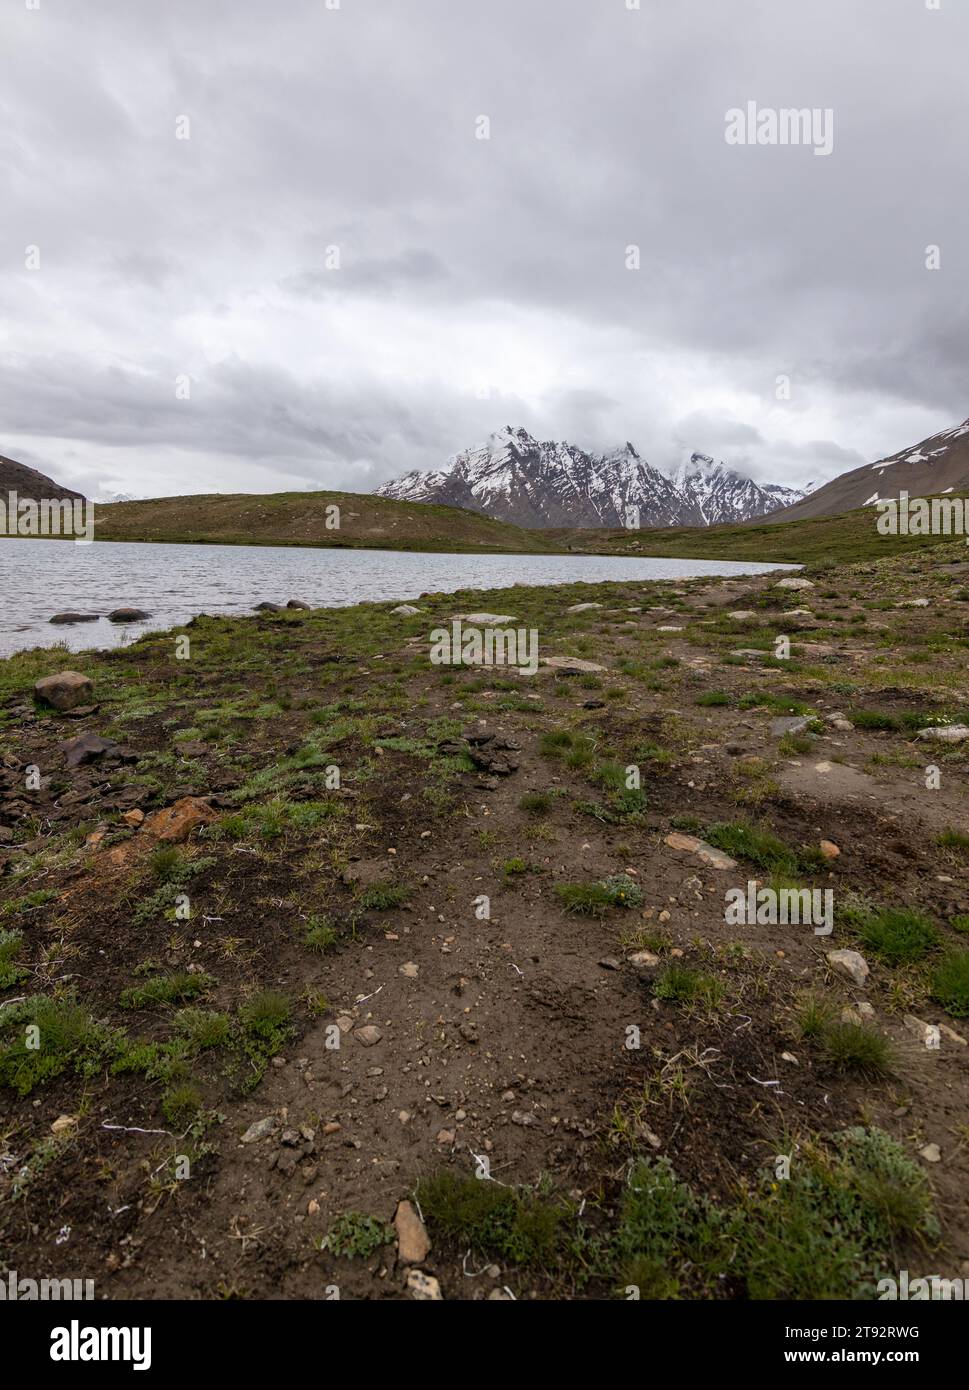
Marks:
<point>939,464</point>
<point>517,478</point>
<point>714,493</point>
<point>27,482</point>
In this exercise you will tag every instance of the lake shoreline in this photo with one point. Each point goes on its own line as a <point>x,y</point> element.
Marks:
<point>173,583</point>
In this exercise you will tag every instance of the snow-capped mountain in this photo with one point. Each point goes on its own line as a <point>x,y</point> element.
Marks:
<point>714,493</point>
<point>514,477</point>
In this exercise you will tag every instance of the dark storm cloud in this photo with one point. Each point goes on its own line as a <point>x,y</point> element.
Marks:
<point>480,281</point>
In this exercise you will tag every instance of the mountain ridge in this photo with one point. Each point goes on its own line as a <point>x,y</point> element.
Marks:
<point>936,465</point>
<point>537,484</point>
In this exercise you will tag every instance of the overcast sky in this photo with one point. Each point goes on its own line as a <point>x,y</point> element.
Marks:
<point>481,282</point>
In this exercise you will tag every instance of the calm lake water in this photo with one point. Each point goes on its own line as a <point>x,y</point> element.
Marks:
<point>174,582</point>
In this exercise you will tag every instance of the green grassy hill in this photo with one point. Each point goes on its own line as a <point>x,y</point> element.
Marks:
<point>816,540</point>
<point>300,518</point>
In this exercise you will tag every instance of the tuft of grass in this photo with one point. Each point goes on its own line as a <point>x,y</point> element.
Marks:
<point>167,864</point>
<point>713,697</point>
<point>165,989</point>
<point>181,1103</point>
<point>264,1025</point>
<point>203,1029</point>
<point>896,935</point>
<point>950,983</point>
<point>519,1226</point>
<point>11,944</point>
<point>873,719</point>
<point>39,898</point>
<point>953,839</point>
<point>320,934</point>
<point>814,1015</point>
<point>857,1047</point>
<point>380,897</point>
<point>536,803</point>
<point>577,750</point>
<point>681,984</point>
<point>595,899</point>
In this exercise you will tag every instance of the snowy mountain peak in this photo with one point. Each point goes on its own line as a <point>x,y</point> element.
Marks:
<point>515,477</point>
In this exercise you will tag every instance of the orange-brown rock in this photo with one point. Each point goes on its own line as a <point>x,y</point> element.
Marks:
<point>176,822</point>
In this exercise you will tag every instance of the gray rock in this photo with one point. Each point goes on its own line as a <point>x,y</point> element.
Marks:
<point>851,964</point>
<point>486,619</point>
<point>789,724</point>
<point>128,615</point>
<point>65,690</point>
<point>571,665</point>
<point>86,748</point>
<point>298,603</point>
<point>946,733</point>
<point>260,1129</point>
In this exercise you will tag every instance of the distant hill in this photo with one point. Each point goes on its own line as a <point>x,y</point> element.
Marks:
<point>300,518</point>
<point>27,482</point>
<point>816,541</point>
<point>940,464</point>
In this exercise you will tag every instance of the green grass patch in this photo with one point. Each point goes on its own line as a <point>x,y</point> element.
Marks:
<point>354,1234</point>
<point>857,1047</point>
<point>11,944</point>
<point>42,1037</point>
<point>896,935</point>
<point>381,897</point>
<point>320,934</point>
<point>177,988</point>
<point>595,899</point>
<point>950,983</point>
<point>681,984</point>
<point>826,1231</point>
<point>762,847</point>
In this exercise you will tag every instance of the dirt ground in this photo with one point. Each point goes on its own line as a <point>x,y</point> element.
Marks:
<point>499,1032</point>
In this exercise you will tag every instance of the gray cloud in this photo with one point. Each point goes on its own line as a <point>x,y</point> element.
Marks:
<point>481,282</point>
